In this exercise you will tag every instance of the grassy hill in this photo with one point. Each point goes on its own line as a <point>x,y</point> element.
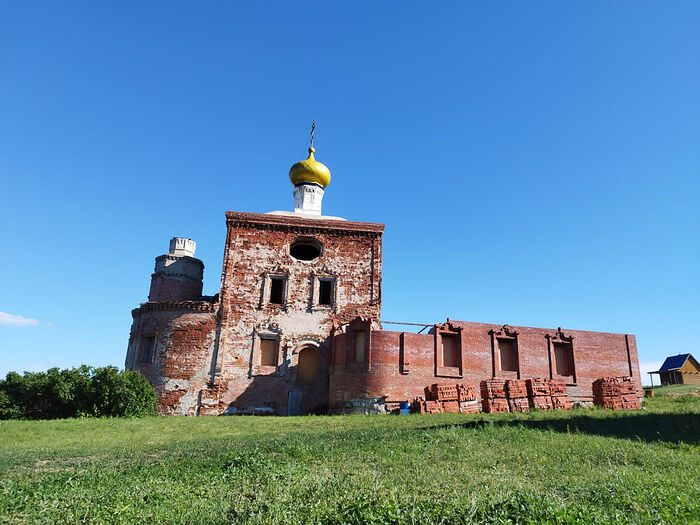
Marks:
<point>586,466</point>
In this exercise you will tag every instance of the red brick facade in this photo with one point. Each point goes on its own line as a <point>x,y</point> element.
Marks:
<point>172,343</point>
<point>232,368</point>
<point>295,329</point>
<point>402,364</point>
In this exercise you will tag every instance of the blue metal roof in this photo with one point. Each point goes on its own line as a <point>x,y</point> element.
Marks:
<point>674,362</point>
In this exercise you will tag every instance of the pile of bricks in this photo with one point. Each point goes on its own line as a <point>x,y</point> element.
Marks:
<point>497,395</point>
<point>518,395</point>
<point>616,393</point>
<point>548,394</point>
<point>539,393</point>
<point>467,399</point>
<point>493,396</point>
<point>439,392</point>
<point>516,390</point>
<point>560,398</point>
<point>447,399</point>
<point>422,406</point>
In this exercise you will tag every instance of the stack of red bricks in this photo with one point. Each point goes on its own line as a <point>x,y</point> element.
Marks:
<point>616,393</point>
<point>421,406</point>
<point>518,395</point>
<point>447,399</point>
<point>493,396</point>
<point>516,389</point>
<point>540,393</point>
<point>560,398</point>
<point>467,399</point>
<point>497,395</point>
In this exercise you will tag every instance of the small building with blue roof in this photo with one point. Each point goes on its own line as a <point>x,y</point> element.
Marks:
<point>681,369</point>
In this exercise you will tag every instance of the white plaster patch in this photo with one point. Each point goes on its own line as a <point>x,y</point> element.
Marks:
<point>176,384</point>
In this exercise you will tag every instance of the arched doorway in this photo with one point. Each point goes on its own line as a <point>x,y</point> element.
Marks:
<point>309,393</point>
<point>308,365</point>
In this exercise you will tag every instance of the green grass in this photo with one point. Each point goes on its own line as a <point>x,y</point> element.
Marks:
<point>587,466</point>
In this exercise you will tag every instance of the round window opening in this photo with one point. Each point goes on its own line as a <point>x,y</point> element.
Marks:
<point>305,249</point>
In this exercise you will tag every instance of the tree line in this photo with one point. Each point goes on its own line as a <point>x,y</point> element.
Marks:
<point>84,391</point>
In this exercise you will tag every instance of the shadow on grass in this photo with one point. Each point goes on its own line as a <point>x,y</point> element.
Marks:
<point>672,428</point>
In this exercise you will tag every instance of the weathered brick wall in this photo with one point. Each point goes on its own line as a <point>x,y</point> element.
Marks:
<point>179,368</point>
<point>258,245</point>
<point>173,288</point>
<point>207,359</point>
<point>402,364</point>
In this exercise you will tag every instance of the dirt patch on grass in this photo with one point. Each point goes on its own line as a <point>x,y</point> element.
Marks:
<point>695,393</point>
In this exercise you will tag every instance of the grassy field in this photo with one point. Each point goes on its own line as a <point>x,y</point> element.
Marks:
<point>587,466</point>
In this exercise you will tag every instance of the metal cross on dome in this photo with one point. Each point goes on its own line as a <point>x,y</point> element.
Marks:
<point>313,128</point>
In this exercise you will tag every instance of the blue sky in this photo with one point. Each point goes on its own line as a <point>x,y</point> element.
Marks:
<point>535,163</point>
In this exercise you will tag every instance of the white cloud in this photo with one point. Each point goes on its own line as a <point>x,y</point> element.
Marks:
<point>16,320</point>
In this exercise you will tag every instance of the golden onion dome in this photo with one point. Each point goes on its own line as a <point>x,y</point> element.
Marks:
<point>310,171</point>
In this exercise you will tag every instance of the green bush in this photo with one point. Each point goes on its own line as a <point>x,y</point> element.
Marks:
<point>120,394</point>
<point>8,407</point>
<point>82,391</point>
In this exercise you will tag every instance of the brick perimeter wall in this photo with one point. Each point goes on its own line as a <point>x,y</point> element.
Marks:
<point>597,354</point>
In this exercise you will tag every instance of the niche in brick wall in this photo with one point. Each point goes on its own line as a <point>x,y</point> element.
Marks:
<point>562,357</point>
<point>505,356</point>
<point>265,356</point>
<point>307,369</point>
<point>146,349</point>
<point>448,350</point>
<point>357,350</point>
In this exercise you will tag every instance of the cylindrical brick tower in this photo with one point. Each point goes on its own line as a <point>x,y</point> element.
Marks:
<point>178,274</point>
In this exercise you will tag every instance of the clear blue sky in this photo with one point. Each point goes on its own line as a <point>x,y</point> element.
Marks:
<point>536,163</point>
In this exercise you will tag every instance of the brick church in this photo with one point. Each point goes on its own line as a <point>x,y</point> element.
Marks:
<point>296,326</point>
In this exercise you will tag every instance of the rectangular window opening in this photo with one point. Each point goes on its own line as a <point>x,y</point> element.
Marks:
<point>508,355</point>
<point>268,352</point>
<point>450,350</point>
<point>359,347</point>
<point>325,292</point>
<point>277,290</point>
<point>564,359</point>
<point>146,349</point>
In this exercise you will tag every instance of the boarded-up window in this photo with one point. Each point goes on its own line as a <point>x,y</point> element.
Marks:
<point>268,352</point>
<point>564,359</point>
<point>277,290</point>
<point>308,365</point>
<point>325,292</point>
<point>358,355</point>
<point>450,350</point>
<point>146,349</point>
<point>508,355</point>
